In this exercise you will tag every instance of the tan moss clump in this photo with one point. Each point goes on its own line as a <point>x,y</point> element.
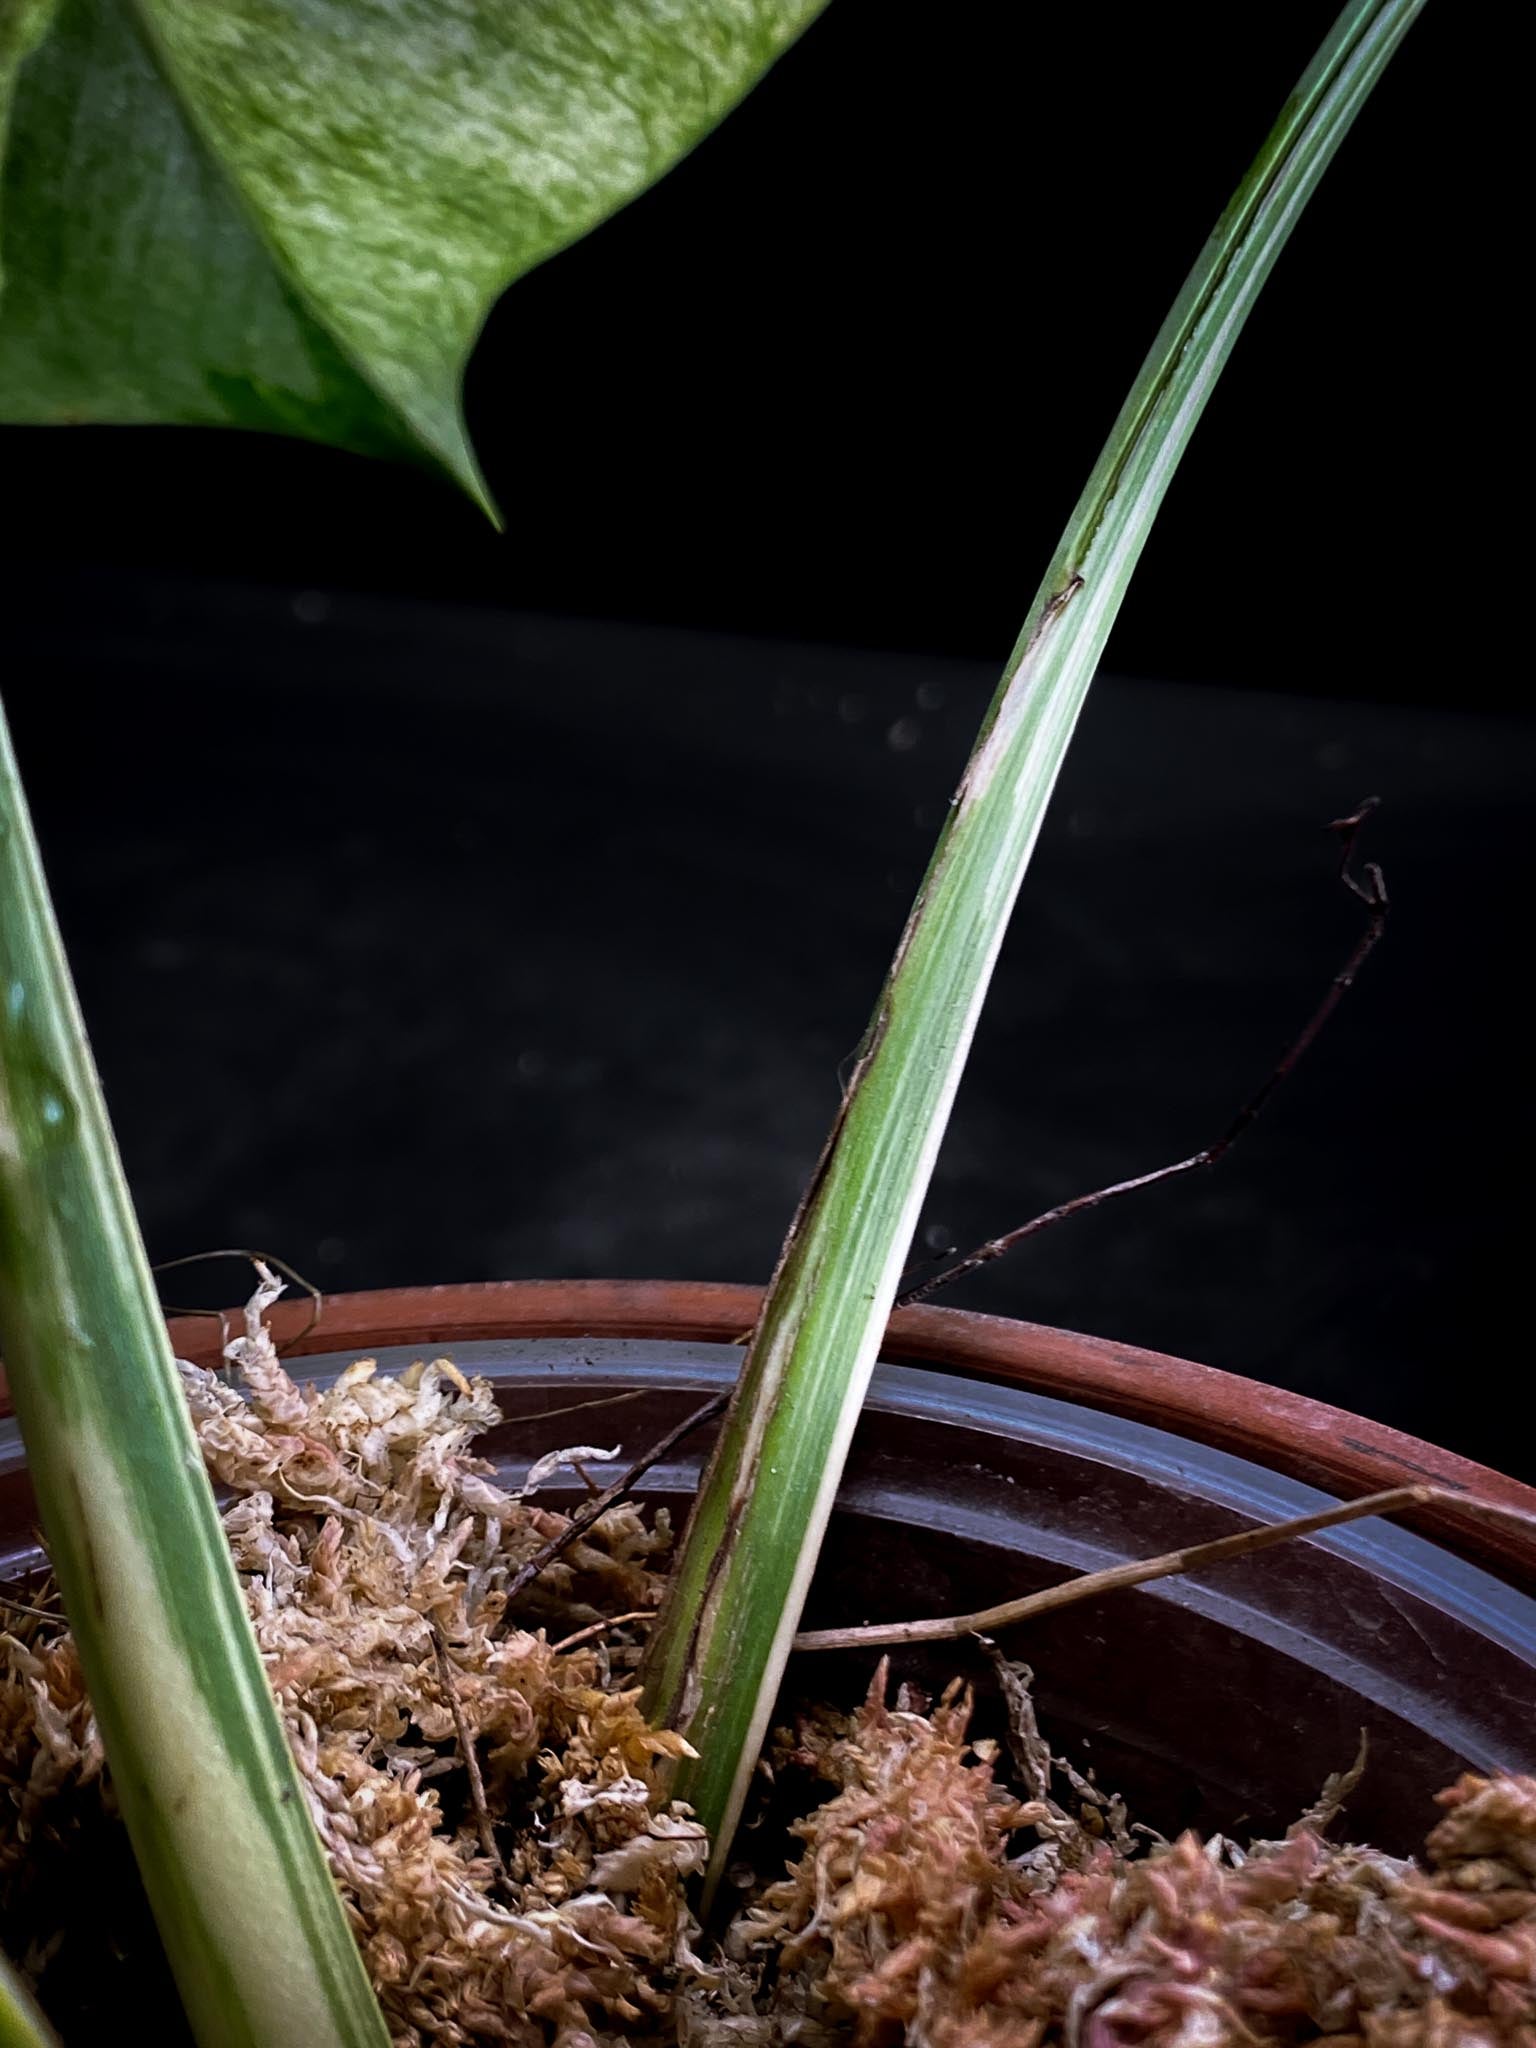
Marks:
<point>932,1907</point>
<point>366,1534</point>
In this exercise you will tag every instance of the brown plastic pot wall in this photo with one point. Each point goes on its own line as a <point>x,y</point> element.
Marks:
<point>1287,1433</point>
<point>1005,1457</point>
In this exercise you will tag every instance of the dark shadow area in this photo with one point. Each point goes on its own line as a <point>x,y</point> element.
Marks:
<point>431,928</point>
<point>429,944</point>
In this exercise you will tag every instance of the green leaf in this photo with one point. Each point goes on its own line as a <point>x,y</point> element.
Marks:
<point>214,1805</point>
<point>296,214</point>
<point>734,1600</point>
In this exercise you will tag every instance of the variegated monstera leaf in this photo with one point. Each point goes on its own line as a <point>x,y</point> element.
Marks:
<point>295,214</point>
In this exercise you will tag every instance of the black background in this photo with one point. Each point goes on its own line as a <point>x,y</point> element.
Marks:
<point>449,905</point>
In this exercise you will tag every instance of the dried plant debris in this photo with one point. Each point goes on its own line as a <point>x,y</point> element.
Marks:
<point>374,1548</point>
<point>933,1906</point>
<point>494,1805</point>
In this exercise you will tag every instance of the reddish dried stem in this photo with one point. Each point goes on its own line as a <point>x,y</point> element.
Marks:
<point>1372,892</point>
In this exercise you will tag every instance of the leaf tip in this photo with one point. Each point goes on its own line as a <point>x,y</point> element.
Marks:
<point>458,458</point>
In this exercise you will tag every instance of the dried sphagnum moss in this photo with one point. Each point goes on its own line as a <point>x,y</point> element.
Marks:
<point>914,1915</point>
<point>932,1905</point>
<point>360,1520</point>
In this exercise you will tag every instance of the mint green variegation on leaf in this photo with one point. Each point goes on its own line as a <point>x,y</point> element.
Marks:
<point>296,214</point>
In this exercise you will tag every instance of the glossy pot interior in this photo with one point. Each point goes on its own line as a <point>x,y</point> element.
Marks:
<point>1217,1702</point>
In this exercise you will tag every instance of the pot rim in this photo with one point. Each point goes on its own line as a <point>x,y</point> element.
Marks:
<point>1292,1434</point>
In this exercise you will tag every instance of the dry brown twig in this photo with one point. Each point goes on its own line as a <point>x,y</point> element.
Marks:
<point>594,1509</point>
<point>1372,892</point>
<point>595,1629</point>
<point>16,1606</point>
<point>466,1742</point>
<point>1137,1572</point>
<point>573,1407</point>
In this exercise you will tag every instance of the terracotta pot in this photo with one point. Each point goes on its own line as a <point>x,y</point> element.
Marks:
<point>1289,1434</point>
<point>999,1456</point>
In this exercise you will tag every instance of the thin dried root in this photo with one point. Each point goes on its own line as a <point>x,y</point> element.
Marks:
<point>1372,892</point>
<point>594,1629</point>
<point>1137,1572</point>
<point>466,1742</point>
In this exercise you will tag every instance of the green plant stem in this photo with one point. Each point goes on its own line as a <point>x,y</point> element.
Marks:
<point>21,2024</point>
<point>740,1583</point>
<point>214,1805</point>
